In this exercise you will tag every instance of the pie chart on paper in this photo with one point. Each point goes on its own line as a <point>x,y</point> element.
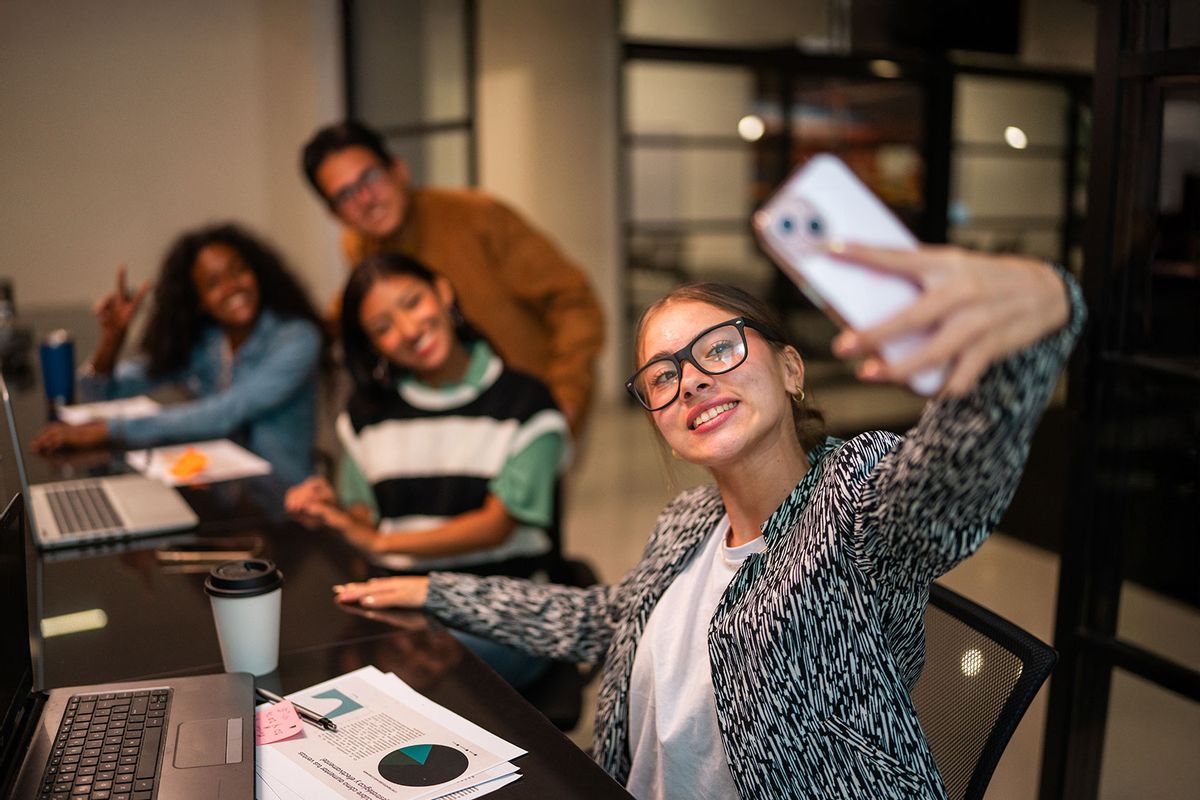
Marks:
<point>423,765</point>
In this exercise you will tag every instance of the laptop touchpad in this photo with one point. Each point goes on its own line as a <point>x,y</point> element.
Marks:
<point>208,743</point>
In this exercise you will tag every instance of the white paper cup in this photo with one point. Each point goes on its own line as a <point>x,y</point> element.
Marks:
<point>245,597</point>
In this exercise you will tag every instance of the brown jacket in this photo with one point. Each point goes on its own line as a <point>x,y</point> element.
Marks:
<point>512,283</point>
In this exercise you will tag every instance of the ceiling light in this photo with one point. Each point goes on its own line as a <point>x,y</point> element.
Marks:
<point>884,68</point>
<point>1016,137</point>
<point>751,127</point>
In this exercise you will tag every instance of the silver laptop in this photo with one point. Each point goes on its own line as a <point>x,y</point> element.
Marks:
<point>89,510</point>
<point>181,738</point>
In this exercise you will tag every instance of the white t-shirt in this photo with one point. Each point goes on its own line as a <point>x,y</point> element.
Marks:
<point>674,740</point>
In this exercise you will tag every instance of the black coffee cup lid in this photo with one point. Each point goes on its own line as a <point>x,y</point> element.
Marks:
<point>247,577</point>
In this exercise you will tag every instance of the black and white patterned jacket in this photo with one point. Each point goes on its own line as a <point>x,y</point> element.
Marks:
<point>818,640</point>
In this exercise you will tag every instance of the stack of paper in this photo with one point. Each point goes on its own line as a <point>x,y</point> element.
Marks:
<point>198,462</point>
<point>392,743</point>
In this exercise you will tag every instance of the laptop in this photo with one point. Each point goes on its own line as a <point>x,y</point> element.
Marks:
<point>175,739</point>
<point>89,510</point>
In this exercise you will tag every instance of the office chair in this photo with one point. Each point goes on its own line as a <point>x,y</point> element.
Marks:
<point>981,673</point>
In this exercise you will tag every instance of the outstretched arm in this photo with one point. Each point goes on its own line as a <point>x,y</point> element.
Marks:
<point>1006,325</point>
<point>290,365</point>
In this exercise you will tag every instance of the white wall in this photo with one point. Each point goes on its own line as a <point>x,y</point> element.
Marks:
<point>125,122</point>
<point>547,132</point>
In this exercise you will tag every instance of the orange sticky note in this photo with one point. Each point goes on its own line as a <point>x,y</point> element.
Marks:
<point>276,722</point>
<point>189,464</point>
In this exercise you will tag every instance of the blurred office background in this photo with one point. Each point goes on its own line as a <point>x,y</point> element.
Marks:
<point>641,134</point>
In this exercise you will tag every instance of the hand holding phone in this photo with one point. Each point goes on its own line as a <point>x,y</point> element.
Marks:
<point>824,204</point>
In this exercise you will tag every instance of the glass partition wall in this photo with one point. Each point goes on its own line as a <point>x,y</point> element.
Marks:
<point>982,156</point>
<point>1124,710</point>
<point>410,74</point>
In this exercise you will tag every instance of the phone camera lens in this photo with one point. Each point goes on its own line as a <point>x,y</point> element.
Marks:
<point>816,227</point>
<point>787,224</point>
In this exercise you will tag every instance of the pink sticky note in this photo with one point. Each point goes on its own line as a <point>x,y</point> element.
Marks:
<point>276,722</point>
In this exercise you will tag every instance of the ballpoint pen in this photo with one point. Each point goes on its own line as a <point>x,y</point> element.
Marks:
<point>305,714</point>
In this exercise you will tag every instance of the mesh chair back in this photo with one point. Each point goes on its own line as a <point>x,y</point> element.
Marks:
<point>981,673</point>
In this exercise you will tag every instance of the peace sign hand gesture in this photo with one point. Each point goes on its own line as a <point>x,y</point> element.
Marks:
<point>115,311</point>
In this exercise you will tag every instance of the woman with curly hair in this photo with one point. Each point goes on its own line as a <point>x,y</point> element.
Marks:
<point>231,325</point>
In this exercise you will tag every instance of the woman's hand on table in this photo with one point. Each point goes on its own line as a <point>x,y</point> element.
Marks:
<point>61,436</point>
<point>311,492</point>
<point>402,591</point>
<point>982,308</point>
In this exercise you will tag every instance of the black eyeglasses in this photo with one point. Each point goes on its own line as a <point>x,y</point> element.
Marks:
<point>714,351</point>
<point>369,177</point>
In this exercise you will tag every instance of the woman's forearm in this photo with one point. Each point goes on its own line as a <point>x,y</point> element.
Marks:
<point>481,529</point>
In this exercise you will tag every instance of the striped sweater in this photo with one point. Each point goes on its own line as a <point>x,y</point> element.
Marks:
<point>431,454</point>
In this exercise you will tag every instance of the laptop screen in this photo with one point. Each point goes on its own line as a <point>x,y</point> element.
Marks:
<point>16,669</point>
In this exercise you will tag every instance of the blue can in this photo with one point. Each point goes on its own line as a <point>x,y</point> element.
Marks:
<point>58,368</point>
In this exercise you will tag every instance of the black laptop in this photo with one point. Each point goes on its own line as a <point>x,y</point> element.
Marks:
<point>175,739</point>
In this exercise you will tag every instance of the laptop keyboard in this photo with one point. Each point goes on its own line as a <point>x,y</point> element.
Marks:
<point>108,746</point>
<point>82,507</point>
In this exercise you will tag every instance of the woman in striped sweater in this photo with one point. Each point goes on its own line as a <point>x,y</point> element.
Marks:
<point>450,459</point>
<point>767,642</point>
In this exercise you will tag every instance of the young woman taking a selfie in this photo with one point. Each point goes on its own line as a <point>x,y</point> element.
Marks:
<point>767,642</point>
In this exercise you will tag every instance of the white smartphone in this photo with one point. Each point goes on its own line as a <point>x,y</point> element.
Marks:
<point>824,202</point>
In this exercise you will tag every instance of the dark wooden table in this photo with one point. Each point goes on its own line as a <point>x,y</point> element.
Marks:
<point>158,622</point>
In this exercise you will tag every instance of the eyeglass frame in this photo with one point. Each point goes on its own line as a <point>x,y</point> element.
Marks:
<point>685,354</point>
<point>370,176</point>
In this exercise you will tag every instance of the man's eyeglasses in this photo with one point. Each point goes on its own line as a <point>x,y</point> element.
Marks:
<point>714,351</point>
<point>370,177</point>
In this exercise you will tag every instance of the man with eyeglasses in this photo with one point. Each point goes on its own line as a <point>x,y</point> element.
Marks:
<point>533,304</point>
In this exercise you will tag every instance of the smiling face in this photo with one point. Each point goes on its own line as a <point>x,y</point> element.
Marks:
<point>409,322</point>
<point>720,421</point>
<point>367,194</point>
<point>226,285</point>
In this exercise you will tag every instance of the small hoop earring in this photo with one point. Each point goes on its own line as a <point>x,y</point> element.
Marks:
<point>798,397</point>
<point>380,373</point>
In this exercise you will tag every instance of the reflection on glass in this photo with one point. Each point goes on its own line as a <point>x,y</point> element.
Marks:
<point>410,61</point>
<point>682,184</point>
<point>985,107</point>
<point>1183,24</point>
<point>1171,314</point>
<point>661,259</point>
<point>1015,138</point>
<point>686,99</point>
<point>746,22</point>
<point>1008,175</point>
<point>884,68</point>
<point>872,126</point>
<point>93,619</point>
<point>751,127</point>
<point>1150,742</point>
<point>435,159</point>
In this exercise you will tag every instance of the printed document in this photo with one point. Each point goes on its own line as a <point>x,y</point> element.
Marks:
<point>392,743</point>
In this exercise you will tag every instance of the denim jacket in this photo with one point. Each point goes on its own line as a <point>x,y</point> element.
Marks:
<point>269,405</point>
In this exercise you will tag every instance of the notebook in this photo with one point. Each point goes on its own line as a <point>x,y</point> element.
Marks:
<point>181,738</point>
<point>90,510</point>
